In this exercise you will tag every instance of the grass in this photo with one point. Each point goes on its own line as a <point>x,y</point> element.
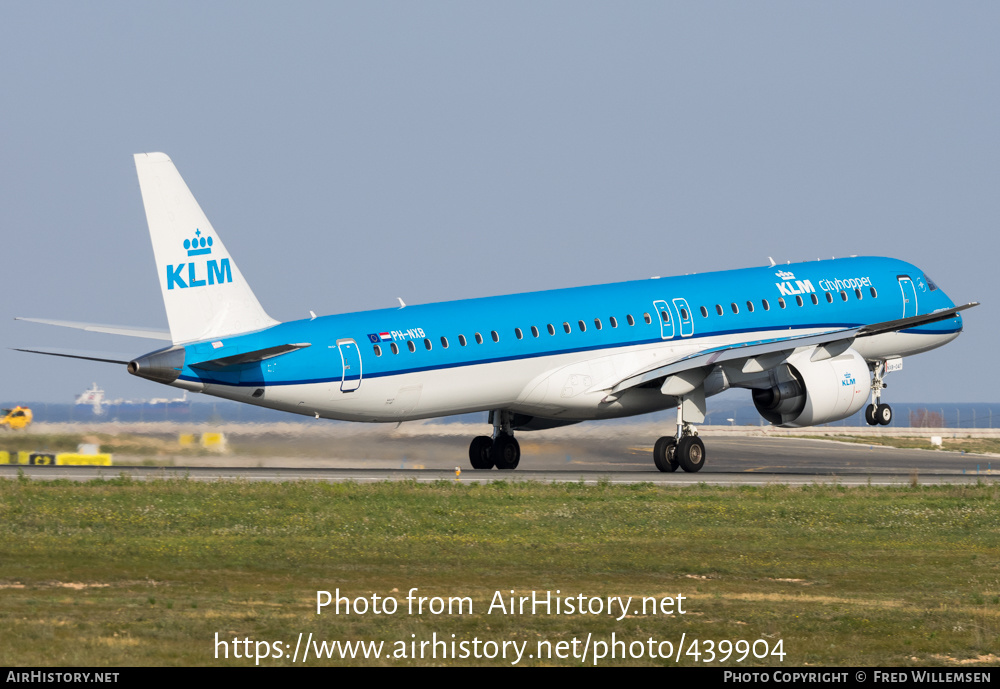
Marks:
<point>133,573</point>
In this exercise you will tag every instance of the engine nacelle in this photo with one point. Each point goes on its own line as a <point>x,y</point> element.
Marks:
<point>807,393</point>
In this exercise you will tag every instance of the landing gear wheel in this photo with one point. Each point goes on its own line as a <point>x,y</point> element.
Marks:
<point>506,452</point>
<point>883,414</point>
<point>870,415</point>
<point>663,453</point>
<point>479,452</point>
<point>690,453</point>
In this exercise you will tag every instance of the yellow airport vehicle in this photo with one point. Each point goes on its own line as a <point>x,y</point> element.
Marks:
<point>17,418</point>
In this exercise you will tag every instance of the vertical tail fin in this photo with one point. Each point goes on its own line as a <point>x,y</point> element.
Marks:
<point>204,292</point>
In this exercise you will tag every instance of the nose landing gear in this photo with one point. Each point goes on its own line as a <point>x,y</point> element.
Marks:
<point>876,413</point>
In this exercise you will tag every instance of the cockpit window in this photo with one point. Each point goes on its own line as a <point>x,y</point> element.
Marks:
<point>930,283</point>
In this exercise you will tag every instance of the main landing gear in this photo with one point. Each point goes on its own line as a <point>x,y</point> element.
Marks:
<point>684,450</point>
<point>876,413</point>
<point>502,450</point>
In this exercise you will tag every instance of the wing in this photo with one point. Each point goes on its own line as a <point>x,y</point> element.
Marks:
<point>685,373</point>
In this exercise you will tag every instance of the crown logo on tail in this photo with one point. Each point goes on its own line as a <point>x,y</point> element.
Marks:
<point>199,245</point>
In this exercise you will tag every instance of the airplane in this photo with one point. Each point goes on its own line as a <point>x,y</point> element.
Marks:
<point>812,342</point>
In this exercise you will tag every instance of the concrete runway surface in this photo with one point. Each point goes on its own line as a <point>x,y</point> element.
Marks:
<point>617,454</point>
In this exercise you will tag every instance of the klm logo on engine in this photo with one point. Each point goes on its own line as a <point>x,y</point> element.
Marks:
<point>211,272</point>
<point>788,289</point>
<point>848,381</point>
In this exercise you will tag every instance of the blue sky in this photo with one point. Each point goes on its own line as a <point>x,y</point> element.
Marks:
<point>352,153</point>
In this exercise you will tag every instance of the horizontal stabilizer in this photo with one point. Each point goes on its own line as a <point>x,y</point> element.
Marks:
<point>148,333</point>
<point>106,357</point>
<point>913,321</point>
<point>248,357</point>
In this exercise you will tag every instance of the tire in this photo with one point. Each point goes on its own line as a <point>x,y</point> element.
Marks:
<point>480,451</point>
<point>690,453</point>
<point>870,415</point>
<point>506,453</point>
<point>883,414</point>
<point>663,454</point>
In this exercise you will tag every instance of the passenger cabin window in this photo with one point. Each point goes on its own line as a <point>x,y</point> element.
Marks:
<point>444,342</point>
<point>534,331</point>
<point>518,334</point>
<point>646,317</point>
<point>763,302</point>
<point>495,335</point>
<point>613,321</point>
<point>843,295</point>
<point>427,344</point>
<point>874,293</point>
<point>479,338</point>
<point>857,293</point>
<point>378,350</point>
<point>798,300</point>
<point>684,314</point>
<point>583,326</point>
<point>567,328</point>
<point>631,321</point>
<point>552,330</point>
<point>704,312</point>
<point>597,323</point>
<point>394,348</point>
<point>829,298</point>
<point>750,306</point>
<point>718,309</point>
<point>814,298</point>
<point>781,302</point>
<point>462,340</point>
<point>736,309</point>
<point>665,316</point>
<point>409,345</point>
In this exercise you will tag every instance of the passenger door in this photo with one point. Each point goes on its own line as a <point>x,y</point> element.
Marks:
<point>909,296</point>
<point>350,357</point>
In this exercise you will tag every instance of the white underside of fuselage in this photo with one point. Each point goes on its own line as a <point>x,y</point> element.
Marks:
<point>572,386</point>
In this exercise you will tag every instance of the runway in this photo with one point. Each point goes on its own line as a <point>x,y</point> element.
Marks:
<point>730,461</point>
